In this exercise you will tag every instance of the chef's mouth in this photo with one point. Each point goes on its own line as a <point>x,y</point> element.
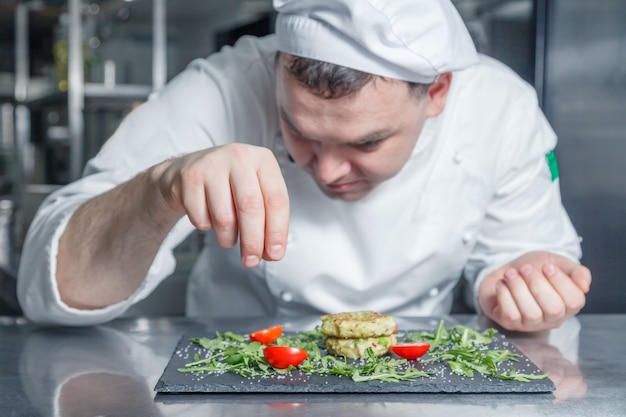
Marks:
<point>341,188</point>
<point>348,191</point>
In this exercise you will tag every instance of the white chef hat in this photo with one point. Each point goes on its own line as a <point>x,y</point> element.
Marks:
<point>411,40</point>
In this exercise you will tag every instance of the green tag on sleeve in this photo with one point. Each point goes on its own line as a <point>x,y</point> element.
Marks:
<point>553,165</point>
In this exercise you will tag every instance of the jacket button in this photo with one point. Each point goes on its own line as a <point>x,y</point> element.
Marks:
<point>286,296</point>
<point>458,158</point>
<point>433,292</point>
<point>467,238</point>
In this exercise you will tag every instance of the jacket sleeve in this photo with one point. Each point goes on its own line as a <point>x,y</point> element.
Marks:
<point>172,123</point>
<point>221,99</point>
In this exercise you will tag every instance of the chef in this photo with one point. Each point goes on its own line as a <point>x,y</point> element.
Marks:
<point>362,157</point>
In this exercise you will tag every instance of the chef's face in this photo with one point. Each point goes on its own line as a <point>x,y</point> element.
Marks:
<point>351,144</point>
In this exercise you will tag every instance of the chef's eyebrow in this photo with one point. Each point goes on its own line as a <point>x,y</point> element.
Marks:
<point>288,122</point>
<point>369,137</point>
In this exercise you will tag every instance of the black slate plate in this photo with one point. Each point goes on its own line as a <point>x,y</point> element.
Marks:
<point>442,380</point>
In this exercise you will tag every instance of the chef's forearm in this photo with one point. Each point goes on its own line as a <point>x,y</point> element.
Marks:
<point>110,242</point>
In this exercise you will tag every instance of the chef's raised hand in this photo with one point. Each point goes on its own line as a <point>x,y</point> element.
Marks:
<point>238,191</point>
<point>537,291</point>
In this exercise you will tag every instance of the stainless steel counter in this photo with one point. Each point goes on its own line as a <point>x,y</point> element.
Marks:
<point>111,370</point>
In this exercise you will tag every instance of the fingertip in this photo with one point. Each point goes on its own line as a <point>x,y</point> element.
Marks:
<point>510,274</point>
<point>203,225</point>
<point>250,261</point>
<point>549,270</point>
<point>526,270</point>
<point>276,251</point>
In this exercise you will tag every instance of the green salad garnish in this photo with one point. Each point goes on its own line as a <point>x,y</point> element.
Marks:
<point>463,350</point>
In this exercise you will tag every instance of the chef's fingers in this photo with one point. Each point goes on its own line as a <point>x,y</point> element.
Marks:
<point>251,218</point>
<point>276,201</point>
<point>548,298</point>
<point>581,276</point>
<point>221,208</point>
<point>193,198</point>
<point>248,195</point>
<point>189,189</point>
<point>571,295</point>
<point>531,313</point>
<point>505,310</point>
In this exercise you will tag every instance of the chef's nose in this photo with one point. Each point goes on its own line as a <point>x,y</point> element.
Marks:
<point>331,165</point>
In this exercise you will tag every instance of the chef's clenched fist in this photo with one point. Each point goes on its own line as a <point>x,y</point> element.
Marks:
<point>238,191</point>
<point>537,291</point>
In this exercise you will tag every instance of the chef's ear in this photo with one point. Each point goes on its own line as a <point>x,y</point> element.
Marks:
<point>437,94</point>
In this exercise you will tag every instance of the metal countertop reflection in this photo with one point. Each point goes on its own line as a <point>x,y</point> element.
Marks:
<point>112,370</point>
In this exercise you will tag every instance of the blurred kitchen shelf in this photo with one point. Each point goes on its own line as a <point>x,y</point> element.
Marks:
<point>81,97</point>
<point>121,91</point>
<point>96,95</point>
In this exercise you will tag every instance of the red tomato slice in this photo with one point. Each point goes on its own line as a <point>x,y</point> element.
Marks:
<point>266,336</point>
<point>410,350</point>
<point>286,406</point>
<point>282,357</point>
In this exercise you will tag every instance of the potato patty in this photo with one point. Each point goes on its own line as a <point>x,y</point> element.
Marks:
<point>356,348</point>
<point>358,324</point>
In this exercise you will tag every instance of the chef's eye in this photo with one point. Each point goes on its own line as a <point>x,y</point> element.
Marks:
<point>370,145</point>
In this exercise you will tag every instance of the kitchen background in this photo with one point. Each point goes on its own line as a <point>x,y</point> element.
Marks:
<point>71,69</point>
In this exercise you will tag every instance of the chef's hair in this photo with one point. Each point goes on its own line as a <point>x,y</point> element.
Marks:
<point>335,81</point>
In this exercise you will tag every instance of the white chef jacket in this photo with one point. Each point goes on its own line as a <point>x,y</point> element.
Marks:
<point>475,193</point>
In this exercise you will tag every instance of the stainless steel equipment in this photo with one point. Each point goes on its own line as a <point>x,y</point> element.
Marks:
<point>582,80</point>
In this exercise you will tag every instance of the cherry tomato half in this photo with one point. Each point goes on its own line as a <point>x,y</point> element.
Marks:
<point>286,406</point>
<point>410,351</point>
<point>281,357</point>
<point>266,336</point>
